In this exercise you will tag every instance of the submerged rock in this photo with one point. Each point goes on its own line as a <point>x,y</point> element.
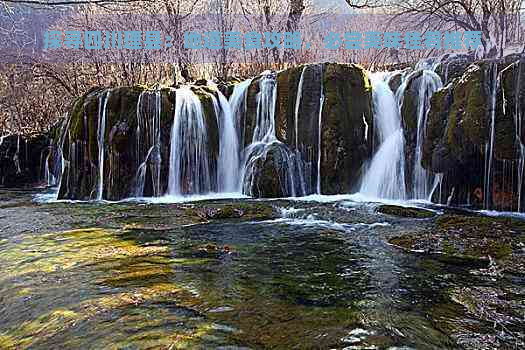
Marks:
<point>405,211</point>
<point>470,237</point>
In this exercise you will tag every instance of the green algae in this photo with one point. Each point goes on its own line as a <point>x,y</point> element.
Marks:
<point>405,211</point>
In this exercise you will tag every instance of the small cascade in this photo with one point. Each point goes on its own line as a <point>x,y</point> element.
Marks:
<point>319,137</point>
<point>299,162</point>
<point>489,147</point>
<point>264,132</point>
<point>238,107</point>
<point>438,185</point>
<point>148,141</point>
<point>189,170</point>
<point>385,175</point>
<point>49,178</point>
<point>16,156</point>
<point>266,99</point>
<point>430,82</point>
<point>102,108</point>
<point>265,141</point>
<point>518,125</point>
<point>228,162</point>
<point>297,105</point>
<point>58,152</point>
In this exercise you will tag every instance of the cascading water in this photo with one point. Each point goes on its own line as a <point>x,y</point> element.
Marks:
<point>319,137</point>
<point>266,99</point>
<point>148,141</point>
<point>297,106</point>
<point>189,171</point>
<point>299,162</point>
<point>264,140</point>
<point>238,107</point>
<point>489,147</point>
<point>385,176</point>
<point>430,83</point>
<point>48,175</point>
<point>264,132</point>
<point>102,108</point>
<point>228,162</point>
<point>58,152</point>
<point>518,126</point>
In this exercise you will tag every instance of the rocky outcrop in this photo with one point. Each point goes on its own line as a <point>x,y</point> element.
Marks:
<point>271,175</point>
<point>458,134</point>
<point>335,96</point>
<point>129,142</point>
<point>345,116</point>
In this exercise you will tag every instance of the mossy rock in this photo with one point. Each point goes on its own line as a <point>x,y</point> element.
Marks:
<point>407,242</point>
<point>269,178</point>
<point>249,120</point>
<point>405,212</point>
<point>347,110</point>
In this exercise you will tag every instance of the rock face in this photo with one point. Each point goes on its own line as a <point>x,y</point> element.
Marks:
<point>112,137</point>
<point>320,106</point>
<point>272,176</point>
<point>135,142</point>
<point>458,134</point>
<point>22,160</point>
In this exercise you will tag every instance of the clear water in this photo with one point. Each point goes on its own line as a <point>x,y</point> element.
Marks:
<point>313,275</point>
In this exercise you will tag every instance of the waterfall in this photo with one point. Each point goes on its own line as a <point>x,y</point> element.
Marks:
<point>238,107</point>
<point>430,82</point>
<point>58,152</point>
<point>319,137</point>
<point>264,140</point>
<point>228,162</point>
<point>297,105</point>
<point>189,170</point>
<point>48,175</point>
<point>297,157</point>
<point>264,133</point>
<point>148,141</point>
<point>266,100</point>
<point>489,147</point>
<point>385,175</point>
<point>518,126</point>
<point>102,108</point>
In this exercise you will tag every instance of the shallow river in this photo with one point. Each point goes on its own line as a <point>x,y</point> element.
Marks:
<point>275,274</point>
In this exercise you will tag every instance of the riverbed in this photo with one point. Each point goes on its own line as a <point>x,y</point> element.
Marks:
<point>256,274</point>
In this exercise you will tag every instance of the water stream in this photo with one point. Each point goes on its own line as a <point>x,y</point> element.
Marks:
<point>189,171</point>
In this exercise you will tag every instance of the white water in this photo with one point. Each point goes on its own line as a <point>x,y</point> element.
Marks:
<point>264,140</point>
<point>430,82</point>
<point>266,99</point>
<point>238,107</point>
<point>297,107</point>
<point>102,108</point>
<point>48,175</point>
<point>518,126</point>
<point>489,149</point>
<point>319,137</point>
<point>148,125</point>
<point>189,171</point>
<point>228,162</point>
<point>385,176</point>
<point>264,133</point>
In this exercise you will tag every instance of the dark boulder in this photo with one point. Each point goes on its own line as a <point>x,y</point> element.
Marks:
<point>22,160</point>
